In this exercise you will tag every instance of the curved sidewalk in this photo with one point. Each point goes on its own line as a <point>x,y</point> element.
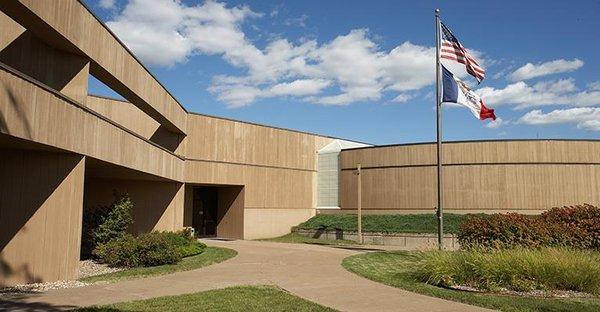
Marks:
<point>309,271</point>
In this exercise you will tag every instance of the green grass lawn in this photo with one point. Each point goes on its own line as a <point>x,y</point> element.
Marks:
<point>394,268</point>
<point>412,223</point>
<point>299,239</point>
<point>241,298</point>
<point>210,255</point>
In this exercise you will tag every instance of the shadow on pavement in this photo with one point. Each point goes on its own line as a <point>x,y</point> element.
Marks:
<point>18,305</point>
<point>348,247</point>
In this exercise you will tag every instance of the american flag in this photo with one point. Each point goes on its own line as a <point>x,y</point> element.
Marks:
<point>452,49</point>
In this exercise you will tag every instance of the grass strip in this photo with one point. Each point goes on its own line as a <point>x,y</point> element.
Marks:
<point>232,299</point>
<point>210,255</point>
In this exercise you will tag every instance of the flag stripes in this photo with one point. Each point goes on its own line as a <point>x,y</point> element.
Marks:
<point>453,50</point>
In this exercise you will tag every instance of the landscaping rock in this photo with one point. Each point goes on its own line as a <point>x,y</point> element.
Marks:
<point>38,287</point>
<point>86,268</point>
<point>91,268</point>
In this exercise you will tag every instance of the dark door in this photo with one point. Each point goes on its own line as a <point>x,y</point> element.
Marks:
<point>205,211</point>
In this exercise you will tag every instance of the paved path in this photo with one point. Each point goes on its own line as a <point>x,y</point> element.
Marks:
<point>309,271</point>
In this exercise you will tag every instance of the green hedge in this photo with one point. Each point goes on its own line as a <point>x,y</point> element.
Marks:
<point>185,244</point>
<point>150,249</point>
<point>410,223</point>
<point>575,226</point>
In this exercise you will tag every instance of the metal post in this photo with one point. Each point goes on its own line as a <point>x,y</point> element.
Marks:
<point>359,203</point>
<point>438,111</point>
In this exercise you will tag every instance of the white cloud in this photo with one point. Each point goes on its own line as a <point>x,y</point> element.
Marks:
<point>166,32</point>
<point>495,124</point>
<point>594,86</point>
<point>107,4</point>
<point>349,68</point>
<point>530,70</point>
<point>587,118</point>
<point>239,94</point>
<point>402,97</point>
<point>555,92</point>
<point>300,87</point>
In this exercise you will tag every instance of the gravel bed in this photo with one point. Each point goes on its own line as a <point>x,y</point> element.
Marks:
<point>86,268</point>
<point>91,268</point>
<point>39,287</point>
<point>533,293</point>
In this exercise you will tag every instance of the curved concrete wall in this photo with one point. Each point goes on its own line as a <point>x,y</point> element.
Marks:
<point>527,176</point>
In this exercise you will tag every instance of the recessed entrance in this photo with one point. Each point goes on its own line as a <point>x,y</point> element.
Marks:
<point>216,210</point>
<point>204,218</point>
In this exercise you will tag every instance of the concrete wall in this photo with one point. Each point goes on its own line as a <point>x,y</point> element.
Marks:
<point>277,168</point>
<point>230,212</point>
<point>158,206</point>
<point>525,176</point>
<point>69,26</point>
<point>41,197</point>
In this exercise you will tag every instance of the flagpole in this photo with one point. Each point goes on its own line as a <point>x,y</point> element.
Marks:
<point>438,112</point>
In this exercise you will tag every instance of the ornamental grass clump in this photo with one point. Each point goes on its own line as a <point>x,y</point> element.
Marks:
<point>545,269</point>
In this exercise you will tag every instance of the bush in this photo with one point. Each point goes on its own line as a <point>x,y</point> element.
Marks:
<point>514,269</point>
<point>116,222</point>
<point>155,249</point>
<point>149,249</point>
<point>122,252</point>
<point>105,223</point>
<point>185,244</point>
<point>576,226</point>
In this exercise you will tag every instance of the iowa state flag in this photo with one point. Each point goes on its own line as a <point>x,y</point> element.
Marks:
<point>456,91</point>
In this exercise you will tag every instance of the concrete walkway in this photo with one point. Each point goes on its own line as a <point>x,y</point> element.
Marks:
<point>309,271</point>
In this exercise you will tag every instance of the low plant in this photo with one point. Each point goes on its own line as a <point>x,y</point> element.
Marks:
<point>105,223</point>
<point>150,249</point>
<point>514,269</point>
<point>122,252</point>
<point>185,244</point>
<point>574,226</point>
<point>145,250</point>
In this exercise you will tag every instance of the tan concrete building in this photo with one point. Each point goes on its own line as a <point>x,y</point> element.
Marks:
<point>63,152</point>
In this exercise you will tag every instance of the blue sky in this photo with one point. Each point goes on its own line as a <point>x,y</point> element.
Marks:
<point>364,70</point>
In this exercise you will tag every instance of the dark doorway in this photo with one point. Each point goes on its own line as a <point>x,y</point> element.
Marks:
<point>205,211</point>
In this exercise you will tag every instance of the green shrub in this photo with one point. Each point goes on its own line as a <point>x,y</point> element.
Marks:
<point>155,249</point>
<point>576,226</point>
<point>122,252</point>
<point>116,222</point>
<point>514,269</point>
<point>149,249</point>
<point>185,244</point>
<point>105,223</point>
